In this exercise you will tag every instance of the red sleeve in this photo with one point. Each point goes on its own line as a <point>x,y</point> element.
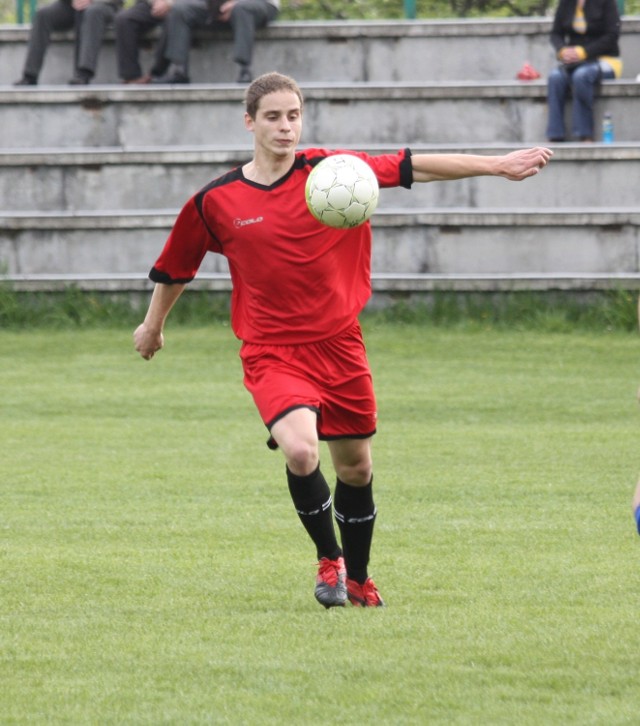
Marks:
<point>186,246</point>
<point>392,170</point>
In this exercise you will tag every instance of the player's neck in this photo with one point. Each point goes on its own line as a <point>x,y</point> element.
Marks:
<point>267,169</point>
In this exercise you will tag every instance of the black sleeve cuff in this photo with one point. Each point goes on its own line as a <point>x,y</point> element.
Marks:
<point>165,279</point>
<point>406,170</point>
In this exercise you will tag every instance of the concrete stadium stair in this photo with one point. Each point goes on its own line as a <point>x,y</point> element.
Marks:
<point>335,114</point>
<point>111,179</point>
<point>417,244</point>
<point>91,178</point>
<point>355,51</point>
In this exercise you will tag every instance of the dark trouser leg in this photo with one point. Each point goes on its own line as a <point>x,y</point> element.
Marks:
<point>246,18</point>
<point>91,25</point>
<point>57,16</point>
<point>131,26</point>
<point>178,27</point>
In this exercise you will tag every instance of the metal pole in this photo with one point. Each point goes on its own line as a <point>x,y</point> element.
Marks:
<point>410,9</point>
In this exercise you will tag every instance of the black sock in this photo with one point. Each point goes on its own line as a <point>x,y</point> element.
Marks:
<point>355,513</point>
<point>312,499</point>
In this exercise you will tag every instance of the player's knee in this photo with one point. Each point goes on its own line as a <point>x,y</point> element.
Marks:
<point>302,457</point>
<point>357,474</point>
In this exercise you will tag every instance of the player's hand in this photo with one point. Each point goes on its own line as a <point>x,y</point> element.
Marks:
<point>80,4</point>
<point>521,164</point>
<point>147,342</point>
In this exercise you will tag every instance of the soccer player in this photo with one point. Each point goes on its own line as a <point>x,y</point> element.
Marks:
<point>635,502</point>
<point>298,288</point>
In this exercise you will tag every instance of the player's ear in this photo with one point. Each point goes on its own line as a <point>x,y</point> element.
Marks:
<point>248,122</point>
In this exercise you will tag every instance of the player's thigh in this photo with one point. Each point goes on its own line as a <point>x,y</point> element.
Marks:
<point>296,435</point>
<point>352,460</point>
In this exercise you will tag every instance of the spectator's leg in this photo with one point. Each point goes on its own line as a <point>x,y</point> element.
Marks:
<point>180,22</point>
<point>557,90</point>
<point>131,25</point>
<point>57,16</point>
<point>90,30</point>
<point>246,18</point>
<point>583,82</point>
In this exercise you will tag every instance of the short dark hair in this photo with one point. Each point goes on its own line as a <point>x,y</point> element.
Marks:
<point>269,83</point>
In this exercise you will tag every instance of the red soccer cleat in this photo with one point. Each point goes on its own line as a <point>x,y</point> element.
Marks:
<point>365,595</point>
<point>331,590</point>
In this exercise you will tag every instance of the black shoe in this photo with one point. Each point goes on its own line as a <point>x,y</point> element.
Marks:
<point>27,81</point>
<point>245,75</point>
<point>79,81</point>
<point>81,77</point>
<point>172,77</point>
<point>141,81</point>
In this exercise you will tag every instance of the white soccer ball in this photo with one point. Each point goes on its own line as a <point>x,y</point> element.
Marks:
<point>342,191</point>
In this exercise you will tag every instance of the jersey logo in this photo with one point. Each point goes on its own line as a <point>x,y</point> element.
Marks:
<point>237,223</point>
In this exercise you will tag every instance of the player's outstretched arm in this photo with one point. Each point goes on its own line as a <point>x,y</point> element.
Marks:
<point>515,166</point>
<point>148,337</point>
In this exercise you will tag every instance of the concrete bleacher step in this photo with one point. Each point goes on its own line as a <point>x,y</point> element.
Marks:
<point>335,114</point>
<point>418,243</point>
<point>156,177</point>
<point>91,178</point>
<point>348,51</point>
<point>387,286</point>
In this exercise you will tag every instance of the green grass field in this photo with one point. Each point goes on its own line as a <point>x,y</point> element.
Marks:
<point>152,569</point>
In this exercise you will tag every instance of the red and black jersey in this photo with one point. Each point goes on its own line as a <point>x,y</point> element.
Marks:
<point>295,280</point>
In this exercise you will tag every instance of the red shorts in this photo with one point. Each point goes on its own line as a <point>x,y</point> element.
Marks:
<point>331,377</point>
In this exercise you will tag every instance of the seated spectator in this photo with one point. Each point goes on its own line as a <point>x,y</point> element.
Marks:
<point>132,25</point>
<point>585,36</point>
<point>90,19</point>
<point>244,17</point>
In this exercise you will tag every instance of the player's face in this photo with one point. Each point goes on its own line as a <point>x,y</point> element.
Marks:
<point>278,123</point>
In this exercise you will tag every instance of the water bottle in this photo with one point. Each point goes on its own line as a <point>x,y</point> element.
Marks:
<point>607,129</point>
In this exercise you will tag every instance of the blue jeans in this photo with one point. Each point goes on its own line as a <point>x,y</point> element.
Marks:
<point>581,81</point>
